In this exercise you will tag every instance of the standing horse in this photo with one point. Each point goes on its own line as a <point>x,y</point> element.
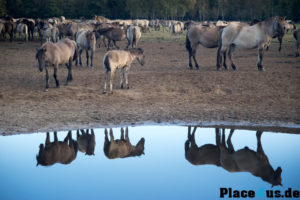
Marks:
<point>112,34</point>
<point>244,36</point>
<point>22,29</point>
<point>247,160</point>
<point>86,40</point>
<point>133,35</point>
<point>121,59</point>
<point>54,54</point>
<point>57,152</point>
<point>122,148</point>
<point>297,38</point>
<point>208,36</point>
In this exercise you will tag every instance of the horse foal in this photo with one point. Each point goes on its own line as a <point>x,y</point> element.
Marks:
<point>120,59</point>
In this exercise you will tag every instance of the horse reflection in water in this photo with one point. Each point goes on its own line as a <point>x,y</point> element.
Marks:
<point>86,142</point>
<point>206,154</point>
<point>122,148</point>
<point>57,152</point>
<point>243,160</point>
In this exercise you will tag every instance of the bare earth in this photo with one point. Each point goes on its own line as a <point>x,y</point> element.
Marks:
<point>162,91</point>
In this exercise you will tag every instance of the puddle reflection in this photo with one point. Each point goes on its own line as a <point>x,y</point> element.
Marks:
<point>223,154</point>
<point>122,148</point>
<point>63,152</point>
<point>176,162</point>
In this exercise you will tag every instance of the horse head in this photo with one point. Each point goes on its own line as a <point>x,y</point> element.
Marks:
<point>139,53</point>
<point>277,177</point>
<point>279,26</point>
<point>40,56</point>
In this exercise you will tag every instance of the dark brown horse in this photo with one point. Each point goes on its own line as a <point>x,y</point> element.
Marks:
<point>86,141</point>
<point>112,34</point>
<point>57,152</point>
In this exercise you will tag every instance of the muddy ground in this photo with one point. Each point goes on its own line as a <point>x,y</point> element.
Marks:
<point>165,90</point>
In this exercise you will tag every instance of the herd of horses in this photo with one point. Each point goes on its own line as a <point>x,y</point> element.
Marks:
<point>67,39</point>
<point>222,154</point>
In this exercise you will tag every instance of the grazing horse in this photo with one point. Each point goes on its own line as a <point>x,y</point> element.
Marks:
<point>62,52</point>
<point>121,59</point>
<point>208,36</point>
<point>2,30</point>
<point>10,29</point>
<point>122,148</point>
<point>205,154</point>
<point>86,142</point>
<point>133,35</point>
<point>247,160</point>
<point>176,28</point>
<point>57,152</point>
<point>86,40</point>
<point>244,36</point>
<point>297,38</point>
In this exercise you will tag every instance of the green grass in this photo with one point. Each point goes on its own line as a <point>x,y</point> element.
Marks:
<point>162,36</point>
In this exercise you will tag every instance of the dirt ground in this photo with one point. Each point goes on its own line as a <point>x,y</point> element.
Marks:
<point>165,90</point>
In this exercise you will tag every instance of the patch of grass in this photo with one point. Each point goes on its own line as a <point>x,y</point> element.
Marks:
<point>162,36</point>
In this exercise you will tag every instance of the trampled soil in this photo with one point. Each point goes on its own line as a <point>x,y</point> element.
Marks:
<point>165,90</point>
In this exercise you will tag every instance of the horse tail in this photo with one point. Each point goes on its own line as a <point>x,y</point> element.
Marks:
<point>75,56</point>
<point>106,63</point>
<point>188,43</point>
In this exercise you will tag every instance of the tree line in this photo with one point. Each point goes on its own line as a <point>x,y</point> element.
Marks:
<point>152,9</point>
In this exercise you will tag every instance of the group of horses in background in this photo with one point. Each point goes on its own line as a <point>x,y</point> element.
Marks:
<point>88,34</point>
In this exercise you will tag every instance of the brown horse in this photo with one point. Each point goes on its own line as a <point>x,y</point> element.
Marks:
<point>208,36</point>
<point>120,59</point>
<point>54,54</point>
<point>112,34</point>
<point>205,154</point>
<point>86,142</point>
<point>122,148</point>
<point>247,160</point>
<point>57,152</point>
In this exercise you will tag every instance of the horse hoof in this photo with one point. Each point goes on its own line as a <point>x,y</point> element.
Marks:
<point>104,92</point>
<point>46,90</point>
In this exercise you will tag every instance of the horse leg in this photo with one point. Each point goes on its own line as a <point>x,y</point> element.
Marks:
<point>112,74</point>
<point>128,44</point>
<point>69,77</point>
<point>229,144</point>
<point>218,137</point>
<point>122,73</point>
<point>47,139</point>
<point>224,60</point>
<point>126,135</point>
<point>126,76</point>
<point>116,44</point>
<point>260,58</point>
<point>230,51</point>
<point>55,137</point>
<point>55,76</point>
<point>92,56</point>
<point>111,134</point>
<point>105,80</point>
<point>80,52</point>
<point>108,44</point>
<point>87,57</point>
<point>280,42</point>
<point>194,50</point>
<point>122,134</point>
<point>47,79</point>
